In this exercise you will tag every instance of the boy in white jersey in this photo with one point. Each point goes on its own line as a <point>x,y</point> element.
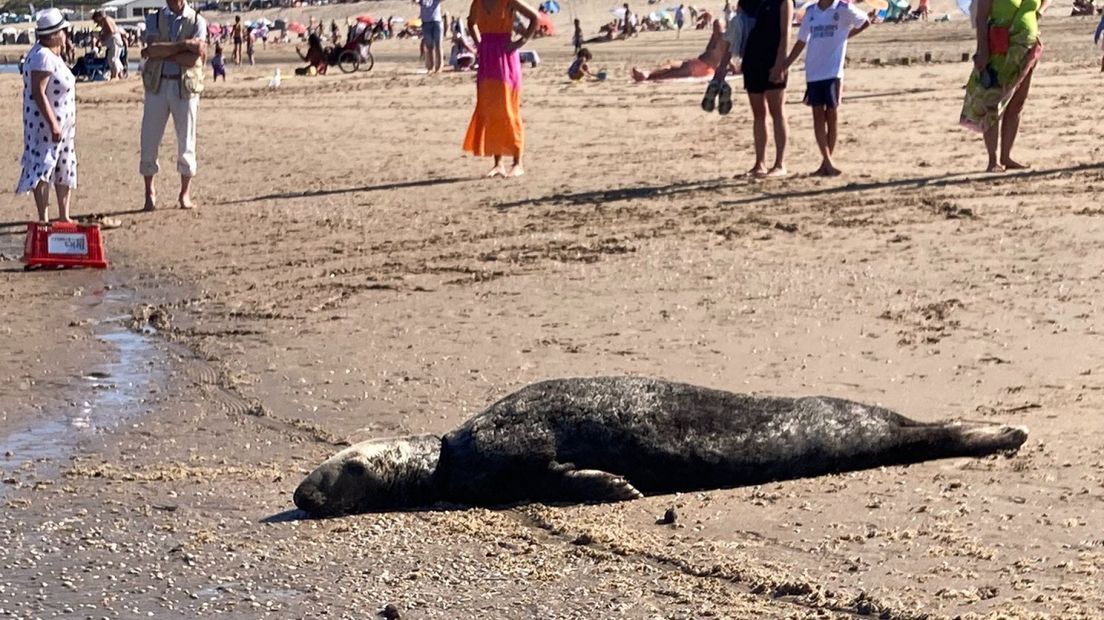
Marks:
<point>827,26</point>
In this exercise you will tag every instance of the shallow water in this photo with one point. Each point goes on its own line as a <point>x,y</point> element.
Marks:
<point>101,398</point>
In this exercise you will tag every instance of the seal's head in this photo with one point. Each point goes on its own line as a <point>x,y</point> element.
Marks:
<point>378,474</point>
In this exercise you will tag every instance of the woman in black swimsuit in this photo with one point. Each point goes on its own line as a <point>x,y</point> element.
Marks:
<point>236,32</point>
<point>764,78</point>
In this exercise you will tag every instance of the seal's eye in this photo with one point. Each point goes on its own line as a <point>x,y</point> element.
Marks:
<point>355,468</point>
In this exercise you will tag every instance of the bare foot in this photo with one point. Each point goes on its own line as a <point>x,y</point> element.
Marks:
<point>186,202</point>
<point>638,75</point>
<point>776,172</point>
<point>758,170</point>
<point>497,171</point>
<point>1010,164</point>
<point>516,171</point>
<point>827,170</point>
<point>151,202</point>
<point>995,167</point>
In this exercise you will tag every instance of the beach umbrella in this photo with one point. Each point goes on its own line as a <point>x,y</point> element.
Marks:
<point>264,22</point>
<point>297,28</point>
<point>366,19</point>
<point>9,32</point>
<point>214,30</point>
<point>619,12</point>
<point>416,22</point>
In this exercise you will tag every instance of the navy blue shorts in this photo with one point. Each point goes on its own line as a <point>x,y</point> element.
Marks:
<point>431,33</point>
<point>823,93</point>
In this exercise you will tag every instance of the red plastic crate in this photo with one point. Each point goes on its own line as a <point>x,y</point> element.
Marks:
<point>63,244</point>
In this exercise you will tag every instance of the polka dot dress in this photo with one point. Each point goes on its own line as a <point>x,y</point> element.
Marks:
<point>44,159</point>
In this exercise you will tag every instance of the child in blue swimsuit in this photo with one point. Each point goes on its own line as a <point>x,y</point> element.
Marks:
<point>579,69</point>
<point>218,64</point>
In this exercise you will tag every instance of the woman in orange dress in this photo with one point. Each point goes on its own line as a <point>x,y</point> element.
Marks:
<point>496,129</point>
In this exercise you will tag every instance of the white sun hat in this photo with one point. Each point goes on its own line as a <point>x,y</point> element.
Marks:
<point>49,21</point>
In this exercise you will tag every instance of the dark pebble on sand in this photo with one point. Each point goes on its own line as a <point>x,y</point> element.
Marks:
<point>583,539</point>
<point>668,517</point>
<point>390,612</point>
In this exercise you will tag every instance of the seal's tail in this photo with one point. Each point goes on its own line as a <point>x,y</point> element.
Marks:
<point>977,439</point>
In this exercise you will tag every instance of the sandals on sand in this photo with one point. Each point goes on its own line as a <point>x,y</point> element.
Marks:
<point>724,103</point>
<point>103,221</point>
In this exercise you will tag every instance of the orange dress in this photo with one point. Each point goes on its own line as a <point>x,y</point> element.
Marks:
<point>496,127</point>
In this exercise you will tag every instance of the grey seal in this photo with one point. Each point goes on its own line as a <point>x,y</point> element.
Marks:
<point>605,439</point>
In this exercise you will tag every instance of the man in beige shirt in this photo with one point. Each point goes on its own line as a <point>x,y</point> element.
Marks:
<point>176,45</point>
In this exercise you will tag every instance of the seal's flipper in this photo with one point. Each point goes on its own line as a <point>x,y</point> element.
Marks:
<point>590,485</point>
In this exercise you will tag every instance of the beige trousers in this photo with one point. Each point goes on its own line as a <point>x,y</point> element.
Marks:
<point>184,110</point>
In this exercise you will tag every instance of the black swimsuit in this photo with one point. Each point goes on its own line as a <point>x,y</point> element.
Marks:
<point>762,44</point>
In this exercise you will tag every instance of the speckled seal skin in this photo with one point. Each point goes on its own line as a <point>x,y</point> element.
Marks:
<point>606,439</point>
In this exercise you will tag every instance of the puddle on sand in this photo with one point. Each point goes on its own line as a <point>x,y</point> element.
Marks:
<point>101,399</point>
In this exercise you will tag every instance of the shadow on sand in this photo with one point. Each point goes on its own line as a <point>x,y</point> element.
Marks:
<point>716,185</point>
<point>20,227</point>
<point>946,180</point>
<point>315,193</point>
<point>287,516</point>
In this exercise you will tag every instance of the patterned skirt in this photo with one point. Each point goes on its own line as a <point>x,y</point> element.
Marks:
<point>984,107</point>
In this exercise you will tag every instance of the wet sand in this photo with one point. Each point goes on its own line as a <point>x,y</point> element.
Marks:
<point>350,275</point>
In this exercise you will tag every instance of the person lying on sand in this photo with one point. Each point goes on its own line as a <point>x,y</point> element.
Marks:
<point>607,33</point>
<point>700,67</point>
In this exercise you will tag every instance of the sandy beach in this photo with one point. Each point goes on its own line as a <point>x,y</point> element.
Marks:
<point>349,275</point>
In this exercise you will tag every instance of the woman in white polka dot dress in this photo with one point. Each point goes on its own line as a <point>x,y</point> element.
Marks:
<point>49,118</point>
